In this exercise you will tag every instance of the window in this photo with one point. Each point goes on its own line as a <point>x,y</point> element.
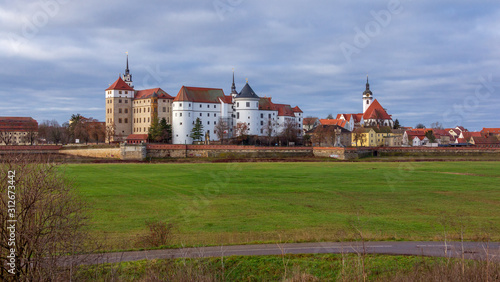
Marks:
<point>261,115</point>
<point>261,130</point>
<point>208,122</point>
<point>189,105</point>
<point>120,92</point>
<point>200,114</point>
<point>367,102</point>
<point>164,109</point>
<point>120,111</point>
<point>238,104</point>
<point>126,110</point>
<point>148,110</point>
<point>200,105</point>
<point>148,119</point>
<point>248,117</point>
<point>144,121</point>
<point>248,104</point>
<point>215,106</point>
<point>180,104</point>
<point>208,106</point>
<point>208,114</point>
<point>126,120</point>
<point>119,120</point>
<point>238,115</point>
<point>126,101</point>
<point>257,104</point>
<point>215,115</point>
<point>120,100</point>
<point>181,123</point>
<point>269,115</point>
<point>180,114</point>
<point>215,123</point>
<point>261,122</point>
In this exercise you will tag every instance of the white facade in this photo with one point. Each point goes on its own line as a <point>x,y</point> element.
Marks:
<point>234,109</point>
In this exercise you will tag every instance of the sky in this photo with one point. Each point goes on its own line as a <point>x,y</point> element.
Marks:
<point>427,61</point>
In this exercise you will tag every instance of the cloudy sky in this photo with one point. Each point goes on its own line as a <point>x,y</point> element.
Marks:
<point>427,61</point>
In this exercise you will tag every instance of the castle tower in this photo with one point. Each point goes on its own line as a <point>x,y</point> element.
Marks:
<point>127,77</point>
<point>247,109</point>
<point>367,96</point>
<point>119,98</point>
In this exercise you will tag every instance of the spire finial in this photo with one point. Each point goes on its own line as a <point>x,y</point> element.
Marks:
<point>127,70</point>
<point>233,86</point>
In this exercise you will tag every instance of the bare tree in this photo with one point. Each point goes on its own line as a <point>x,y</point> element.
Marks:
<point>96,130</point>
<point>359,138</point>
<point>290,132</point>
<point>6,137</point>
<point>42,219</point>
<point>221,129</point>
<point>270,130</point>
<point>436,125</point>
<point>110,131</point>
<point>241,131</point>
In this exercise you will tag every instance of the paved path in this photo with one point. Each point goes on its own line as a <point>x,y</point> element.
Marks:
<point>471,250</point>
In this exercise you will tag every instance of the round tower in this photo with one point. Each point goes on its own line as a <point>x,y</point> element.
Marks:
<point>367,96</point>
<point>246,106</point>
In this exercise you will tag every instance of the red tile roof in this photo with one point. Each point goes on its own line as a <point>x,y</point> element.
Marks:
<point>468,134</point>
<point>296,109</point>
<point>339,122</point>
<point>119,84</point>
<point>461,140</point>
<point>491,130</point>
<point>484,140</point>
<point>148,93</point>
<point>200,95</point>
<point>284,110</point>
<point>266,104</point>
<point>309,121</point>
<point>375,111</point>
<point>16,124</point>
<point>137,137</point>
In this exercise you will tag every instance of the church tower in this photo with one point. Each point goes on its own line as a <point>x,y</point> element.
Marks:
<point>127,77</point>
<point>367,96</point>
<point>233,88</point>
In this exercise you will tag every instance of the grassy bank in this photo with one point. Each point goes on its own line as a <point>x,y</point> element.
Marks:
<point>317,267</point>
<point>231,203</point>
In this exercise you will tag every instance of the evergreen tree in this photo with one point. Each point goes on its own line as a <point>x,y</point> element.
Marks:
<point>166,131</point>
<point>197,131</point>
<point>330,116</point>
<point>396,124</point>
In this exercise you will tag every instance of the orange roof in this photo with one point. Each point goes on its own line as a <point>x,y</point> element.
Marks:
<point>461,140</point>
<point>375,111</point>
<point>148,93</point>
<point>469,134</point>
<point>137,137</point>
<point>491,130</point>
<point>120,85</point>
<point>339,122</point>
<point>284,110</point>
<point>296,109</point>
<point>309,121</point>
<point>200,95</point>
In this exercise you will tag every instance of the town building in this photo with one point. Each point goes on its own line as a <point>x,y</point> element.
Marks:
<point>18,131</point>
<point>130,111</point>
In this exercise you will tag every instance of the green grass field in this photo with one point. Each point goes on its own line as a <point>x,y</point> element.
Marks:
<point>232,203</point>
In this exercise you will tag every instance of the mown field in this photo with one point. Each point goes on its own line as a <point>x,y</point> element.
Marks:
<point>233,203</point>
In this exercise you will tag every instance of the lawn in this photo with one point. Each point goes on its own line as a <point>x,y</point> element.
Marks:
<point>232,203</point>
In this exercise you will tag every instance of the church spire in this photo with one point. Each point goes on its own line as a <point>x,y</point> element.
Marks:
<point>127,77</point>
<point>233,86</point>
<point>367,84</point>
<point>127,70</point>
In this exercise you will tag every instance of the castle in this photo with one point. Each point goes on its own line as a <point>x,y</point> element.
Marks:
<point>131,112</point>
